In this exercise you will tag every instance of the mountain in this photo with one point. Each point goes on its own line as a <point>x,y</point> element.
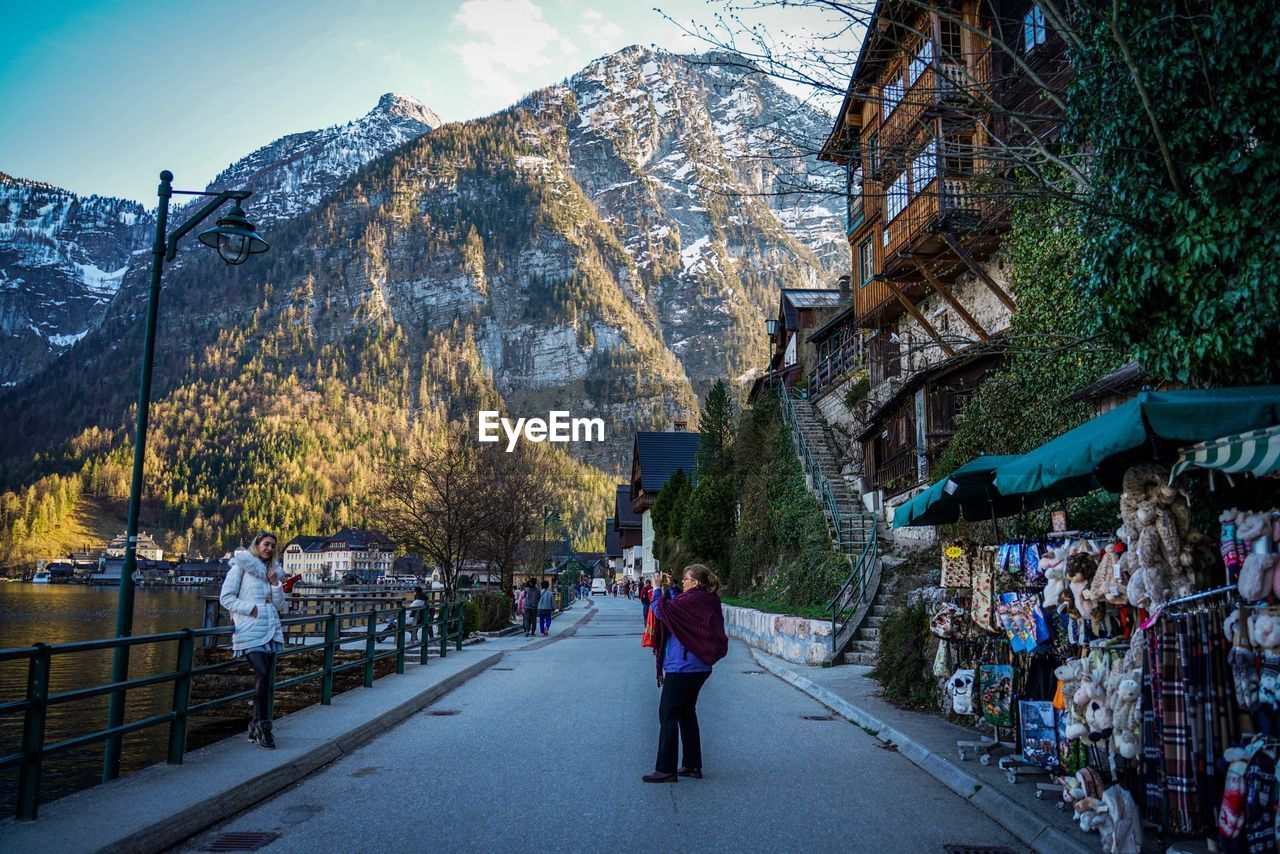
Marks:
<point>292,174</point>
<point>62,257</point>
<point>609,245</point>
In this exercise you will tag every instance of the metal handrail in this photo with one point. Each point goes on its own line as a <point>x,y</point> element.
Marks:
<point>447,617</point>
<point>814,469</point>
<point>854,592</point>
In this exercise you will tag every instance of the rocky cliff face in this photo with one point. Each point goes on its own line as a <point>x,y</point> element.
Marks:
<point>62,257</point>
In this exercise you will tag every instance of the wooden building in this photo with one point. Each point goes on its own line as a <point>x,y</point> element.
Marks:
<point>940,97</point>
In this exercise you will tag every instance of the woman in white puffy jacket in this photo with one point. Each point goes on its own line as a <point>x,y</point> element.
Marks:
<point>253,594</point>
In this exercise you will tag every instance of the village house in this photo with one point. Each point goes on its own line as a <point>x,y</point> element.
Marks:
<point>655,457</point>
<point>148,548</point>
<point>629,529</point>
<point>319,560</point>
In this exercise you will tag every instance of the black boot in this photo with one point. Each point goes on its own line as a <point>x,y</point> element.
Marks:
<point>265,741</point>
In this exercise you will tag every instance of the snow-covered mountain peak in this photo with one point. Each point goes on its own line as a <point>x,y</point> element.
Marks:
<point>406,106</point>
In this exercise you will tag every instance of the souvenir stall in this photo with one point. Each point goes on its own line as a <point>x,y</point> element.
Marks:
<point>1139,667</point>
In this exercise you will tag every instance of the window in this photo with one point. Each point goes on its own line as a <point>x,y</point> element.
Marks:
<point>952,48</point>
<point>891,94</point>
<point>1034,31</point>
<point>866,262</point>
<point>853,195</point>
<point>957,154</point>
<point>924,167</point>
<point>896,198</point>
<point>921,61</point>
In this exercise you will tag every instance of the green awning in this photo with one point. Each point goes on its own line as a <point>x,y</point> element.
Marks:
<point>967,493</point>
<point>1256,452</point>
<point>1153,425</point>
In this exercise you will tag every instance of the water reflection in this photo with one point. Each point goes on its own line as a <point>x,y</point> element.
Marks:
<point>59,613</point>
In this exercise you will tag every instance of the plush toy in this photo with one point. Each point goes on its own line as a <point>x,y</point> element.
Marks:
<point>1156,525</point>
<point>1081,568</point>
<point>1097,714</point>
<point>1126,720</point>
<point>1055,573</point>
<point>1070,674</point>
<point>1257,577</point>
<point>960,691</point>
<point>1265,631</point>
<point>1109,582</point>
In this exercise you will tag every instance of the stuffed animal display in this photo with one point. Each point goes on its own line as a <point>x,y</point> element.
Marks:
<point>1157,522</point>
<point>1249,548</point>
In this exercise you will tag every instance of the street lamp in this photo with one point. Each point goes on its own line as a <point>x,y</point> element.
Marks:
<point>549,514</point>
<point>771,326</point>
<point>236,239</point>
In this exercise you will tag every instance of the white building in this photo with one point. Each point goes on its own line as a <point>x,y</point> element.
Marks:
<point>321,560</point>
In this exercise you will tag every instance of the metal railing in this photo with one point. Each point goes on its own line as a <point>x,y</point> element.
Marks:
<point>813,468</point>
<point>857,588</point>
<point>445,621</point>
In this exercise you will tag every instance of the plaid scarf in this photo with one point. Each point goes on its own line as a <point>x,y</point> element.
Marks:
<point>1179,765</point>
<point>1152,730</point>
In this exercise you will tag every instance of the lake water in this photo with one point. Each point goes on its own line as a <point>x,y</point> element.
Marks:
<point>58,613</point>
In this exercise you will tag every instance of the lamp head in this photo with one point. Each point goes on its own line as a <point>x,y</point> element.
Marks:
<point>771,326</point>
<point>234,237</point>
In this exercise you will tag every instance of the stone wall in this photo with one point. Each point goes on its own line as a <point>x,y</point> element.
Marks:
<point>796,639</point>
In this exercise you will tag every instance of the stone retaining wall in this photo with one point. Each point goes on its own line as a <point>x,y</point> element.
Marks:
<point>796,639</point>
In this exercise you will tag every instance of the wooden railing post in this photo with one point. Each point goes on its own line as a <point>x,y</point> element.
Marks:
<point>461,614</point>
<point>181,698</point>
<point>400,623</point>
<point>370,644</point>
<point>33,724</point>
<point>330,640</point>
<point>444,629</point>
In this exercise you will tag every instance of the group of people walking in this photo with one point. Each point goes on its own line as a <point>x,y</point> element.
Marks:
<point>537,606</point>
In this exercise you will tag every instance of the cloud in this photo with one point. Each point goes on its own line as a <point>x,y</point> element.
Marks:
<point>507,40</point>
<point>599,32</point>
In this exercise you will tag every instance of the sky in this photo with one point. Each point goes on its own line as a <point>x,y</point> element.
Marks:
<point>98,97</point>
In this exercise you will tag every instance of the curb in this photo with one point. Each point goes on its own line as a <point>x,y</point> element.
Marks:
<point>1023,823</point>
<point>167,831</point>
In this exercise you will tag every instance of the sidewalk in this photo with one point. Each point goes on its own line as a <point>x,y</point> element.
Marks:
<point>930,743</point>
<point>162,805</point>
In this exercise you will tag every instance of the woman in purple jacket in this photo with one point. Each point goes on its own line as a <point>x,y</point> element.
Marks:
<point>691,639</point>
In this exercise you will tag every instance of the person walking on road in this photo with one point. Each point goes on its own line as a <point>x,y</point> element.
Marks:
<point>546,604</point>
<point>253,595</point>
<point>530,607</point>
<point>646,596</point>
<point>691,639</point>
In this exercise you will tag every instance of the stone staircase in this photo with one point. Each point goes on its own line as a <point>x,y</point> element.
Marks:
<point>852,536</point>
<point>866,640</point>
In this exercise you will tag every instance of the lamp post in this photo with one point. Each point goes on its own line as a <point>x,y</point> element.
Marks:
<point>771,326</point>
<point>549,514</point>
<point>235,239</point>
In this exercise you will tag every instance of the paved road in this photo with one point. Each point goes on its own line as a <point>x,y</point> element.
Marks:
<point>547,756</point>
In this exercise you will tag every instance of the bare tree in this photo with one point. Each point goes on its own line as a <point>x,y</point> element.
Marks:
<point>522,483</point>
<point>440,501</point>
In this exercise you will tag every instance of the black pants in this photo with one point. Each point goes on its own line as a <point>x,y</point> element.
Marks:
<point>261,663</point>
<point>678,715</point>
<point>530,620</point>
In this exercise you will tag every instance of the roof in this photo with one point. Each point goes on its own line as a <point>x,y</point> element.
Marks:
<point>1127,378</point>
<point>357,538</point>
<point>624,515</point>
<point>307,544</point>
<point>612,539</point>
<point>794,299</point>
<point>660,455</point>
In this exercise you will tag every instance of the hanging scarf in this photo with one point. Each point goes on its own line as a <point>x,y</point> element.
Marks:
<point>1179,764</point>
<point>1152,730</point>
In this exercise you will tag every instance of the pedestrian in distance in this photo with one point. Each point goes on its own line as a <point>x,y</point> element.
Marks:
<point>546,604</point>
<point>530,607</point>
<point>253,595</point>
<point>417,615</point>
<point>646,595</point>
<point>691,639</point>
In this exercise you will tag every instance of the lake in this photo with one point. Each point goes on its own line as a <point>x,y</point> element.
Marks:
<point>58,613</point>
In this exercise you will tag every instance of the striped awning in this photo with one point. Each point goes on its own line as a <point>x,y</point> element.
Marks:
<point>1256,452</point>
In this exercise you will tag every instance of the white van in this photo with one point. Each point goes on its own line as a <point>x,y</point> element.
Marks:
<point>598,586</point>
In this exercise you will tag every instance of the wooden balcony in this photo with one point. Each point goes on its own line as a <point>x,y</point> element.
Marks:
<point>898,473</point>
<point>847,356</point>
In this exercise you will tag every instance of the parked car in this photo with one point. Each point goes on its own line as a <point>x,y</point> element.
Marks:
<point>599,587</point>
